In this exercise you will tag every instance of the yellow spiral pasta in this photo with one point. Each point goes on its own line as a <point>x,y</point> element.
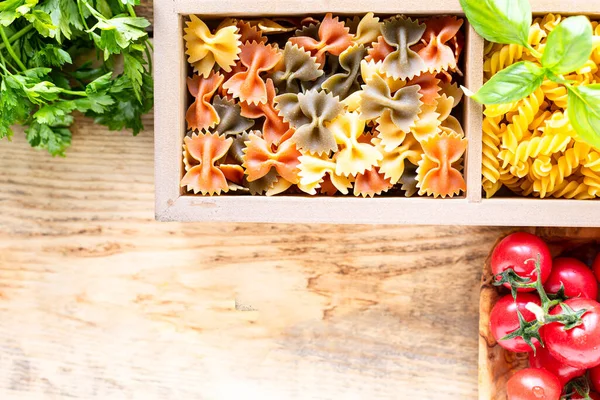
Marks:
<point>515,184</point>
<point>556,93</point>
<point>596,42</point>
<point>490,188</point>
<point>549,21</point>
<point>590,178</point>
<point>592,161</point>
<point>511,53</point>
<point>566,165</point>
<point>519,123</point>
<point>530,146</point>
<point>492,132</point>
<point>536,146</point>
<point>573,189</point>
<point>506,56</point>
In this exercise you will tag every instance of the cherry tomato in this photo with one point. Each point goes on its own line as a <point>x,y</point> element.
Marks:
<point>543,359</point>
<point>533,384</point>
<point>596,267</point>
<point>595,378</point>
<point>579,346</point>
<point>577,278</point>
<point>504,320</point>
<point>519,251</point>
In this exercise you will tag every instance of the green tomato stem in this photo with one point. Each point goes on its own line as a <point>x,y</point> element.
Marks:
<point>11,50</point>
<point>17,36</point>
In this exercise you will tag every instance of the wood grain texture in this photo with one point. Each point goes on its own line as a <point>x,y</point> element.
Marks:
<point>99,301</point>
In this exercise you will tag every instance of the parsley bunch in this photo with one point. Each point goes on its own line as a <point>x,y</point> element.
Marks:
<point>59,56</point>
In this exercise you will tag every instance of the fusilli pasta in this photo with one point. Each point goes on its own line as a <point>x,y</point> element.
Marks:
<point>530,146</point>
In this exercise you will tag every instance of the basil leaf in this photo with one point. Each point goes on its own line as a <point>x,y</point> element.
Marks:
<point>584,112</point>
<point>500,21</point>
<point>568,46</point>
<point>511,84</point>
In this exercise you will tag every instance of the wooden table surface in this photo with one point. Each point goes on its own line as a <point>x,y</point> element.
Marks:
<point>99,301</point>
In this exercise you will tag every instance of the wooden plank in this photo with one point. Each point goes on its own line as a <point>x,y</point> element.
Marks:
<point>98,301</point>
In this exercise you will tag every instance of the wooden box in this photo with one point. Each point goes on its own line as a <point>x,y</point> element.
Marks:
<point>172,204</point>
<point>497,365</point>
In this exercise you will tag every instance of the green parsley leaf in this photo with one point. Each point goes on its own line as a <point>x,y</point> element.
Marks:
<point>54,138</point>
<point>50,56</point>
<point>13,108</point>
<point>53,113</point>
<point>104,8</point>
<point>100,85</point>
<point>96,103</point>
<point>64,15</point>
<point>42,22</point>
<point>134,70</point>
<point>126,112</point>
<point>13,9</point>
<point>120,32</point>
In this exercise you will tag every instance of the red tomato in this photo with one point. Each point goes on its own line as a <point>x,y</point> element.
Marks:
<point>519,251</point>
<point>533,384</point>
<point>595,378</point>
<point>596,267</point>
<point>577,278</point>
<point>543,359</point>
<point>504,320</point>
<point>579,346</point>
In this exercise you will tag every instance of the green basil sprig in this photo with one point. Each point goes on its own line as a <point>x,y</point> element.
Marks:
<point>568,47</point>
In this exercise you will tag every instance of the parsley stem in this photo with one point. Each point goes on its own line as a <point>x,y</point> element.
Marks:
<point>131,10</point>
<point>17,35</point>
<point>74,93</point>
<point>81,14</point>
<point>148,55</point>
<point>10,50</point>
<point>2,61</point>
<point>11,65</point>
